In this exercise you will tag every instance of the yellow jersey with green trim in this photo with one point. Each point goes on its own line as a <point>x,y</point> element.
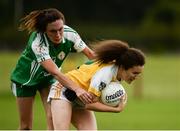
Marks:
<point>94,77</point>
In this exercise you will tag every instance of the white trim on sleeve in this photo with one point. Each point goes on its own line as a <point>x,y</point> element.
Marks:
<point>103,77</point>
<point>73,36</point>
<point>40,50</point>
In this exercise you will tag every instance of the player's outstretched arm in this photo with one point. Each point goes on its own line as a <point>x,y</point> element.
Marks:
<point>100,107</point>
<point>51,67</point>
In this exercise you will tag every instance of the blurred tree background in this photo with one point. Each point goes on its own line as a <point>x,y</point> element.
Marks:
<point>150,24</point>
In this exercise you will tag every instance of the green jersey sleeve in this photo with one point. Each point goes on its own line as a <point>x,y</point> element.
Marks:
<point>40,47</point>
<point>74,37</point>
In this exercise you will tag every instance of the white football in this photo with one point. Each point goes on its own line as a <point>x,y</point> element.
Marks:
<point>112,93</point>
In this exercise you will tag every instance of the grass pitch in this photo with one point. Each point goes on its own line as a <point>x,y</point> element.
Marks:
<point>157,109</point>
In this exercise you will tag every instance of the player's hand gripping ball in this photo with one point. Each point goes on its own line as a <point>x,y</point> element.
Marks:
<point>112,93</point>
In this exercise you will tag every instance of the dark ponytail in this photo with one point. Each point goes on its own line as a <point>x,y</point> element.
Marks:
<point>39,19</point>
<point>118,52</point>
<point>110,50</point>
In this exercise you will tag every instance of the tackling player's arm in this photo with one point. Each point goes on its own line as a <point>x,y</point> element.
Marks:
<point>51,67</point>
<point>89,53</point>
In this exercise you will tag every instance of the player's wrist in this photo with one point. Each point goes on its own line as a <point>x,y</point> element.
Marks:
<point>76,90</point>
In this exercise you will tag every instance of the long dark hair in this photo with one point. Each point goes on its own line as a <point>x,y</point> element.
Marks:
<point>38,19</point>
<point>119,52</point>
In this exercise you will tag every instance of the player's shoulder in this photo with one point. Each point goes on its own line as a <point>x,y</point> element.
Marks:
<point>68,29</point>
<point>108,65</point>
<point>38,39</point>
<point>35,36</point>
<point>107,68</point>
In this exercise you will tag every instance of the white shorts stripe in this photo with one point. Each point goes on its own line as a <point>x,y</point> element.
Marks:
<point>56,93</point>
<point>13,87</point>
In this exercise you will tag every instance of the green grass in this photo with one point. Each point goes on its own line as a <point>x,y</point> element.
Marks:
<point>9,113</point>
<point>139,114</point>
<point>162,77</point>
<point>8,62</point>
<point>157,109</point>
<point>143,115</point>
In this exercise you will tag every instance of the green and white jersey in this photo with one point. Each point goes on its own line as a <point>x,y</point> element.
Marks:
<point>28,70</point>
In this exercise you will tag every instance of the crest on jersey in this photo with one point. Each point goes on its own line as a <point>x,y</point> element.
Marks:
<point>102,85</point>
<point>61,55</point>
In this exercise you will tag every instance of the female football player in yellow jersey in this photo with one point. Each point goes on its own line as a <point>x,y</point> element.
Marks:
<point>115,61</point>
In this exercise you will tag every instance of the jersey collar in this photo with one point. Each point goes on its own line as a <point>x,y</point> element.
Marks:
<point>63,40</point>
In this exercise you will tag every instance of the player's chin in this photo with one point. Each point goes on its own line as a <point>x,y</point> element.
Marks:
<point>56,41</point>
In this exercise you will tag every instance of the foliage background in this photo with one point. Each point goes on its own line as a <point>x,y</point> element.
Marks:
<point>150,24</point>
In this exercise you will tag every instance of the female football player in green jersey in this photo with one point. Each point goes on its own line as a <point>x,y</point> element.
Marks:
<point>114,61</point>
<point>49,43</point>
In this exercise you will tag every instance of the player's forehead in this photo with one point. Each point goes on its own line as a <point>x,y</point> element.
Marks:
<point>56,25</point>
